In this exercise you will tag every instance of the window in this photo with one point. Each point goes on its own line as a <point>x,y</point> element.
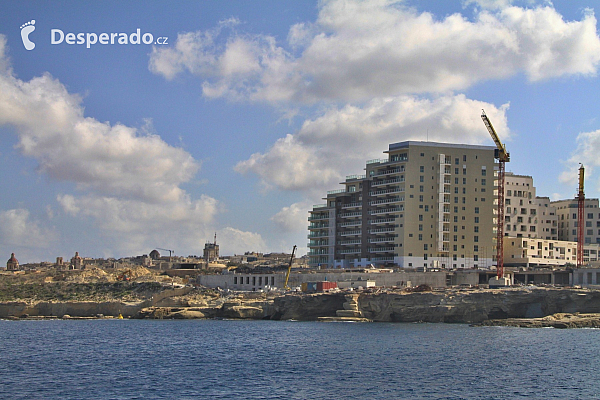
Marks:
<point>425,247</point>
<point>588,224</point>
<point>420,217</point>
<point>455,238</point>
<point>420,227</point>
<point>455,228</point>
<point>422,154</point>
<point>464,190</point>
<point>475,247</point>
<point>421,198</point>
<point>476,239</point>
<point>483,171</point>
<point>464,181</point>
<point>456,181</point>
<point>590,216</point>
<point>482,181</point>
<point>464,171</point>
<point>456,200</point>
<point>421,169</point>
<point>424,256</point>
<point>465,157</point>
<point>420,236</point>
<point>477,220</point>
<point>455,209</point>
<point>475,257</point>
<point>426,208</point>
<point>454,247</point>
<point>455,171</point>
<point>456,218</point>
<point>456,189</point>
<point>421,188</point>
<point>476,210</point>
<point>476,228</point>
<point>509,192</point>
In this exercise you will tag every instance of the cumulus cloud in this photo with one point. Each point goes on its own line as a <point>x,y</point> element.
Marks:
<point>588,148</point>
<point>340,140</point>
<point>293,218</point>
<point>236,241</point>
<point>19,230</point>
<point>127,180</point>
<point>357,50</point>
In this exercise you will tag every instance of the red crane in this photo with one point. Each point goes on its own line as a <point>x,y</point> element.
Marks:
<point>580,221</point>
<point>503,157</point>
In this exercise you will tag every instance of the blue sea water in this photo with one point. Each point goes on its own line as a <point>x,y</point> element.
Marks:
<point>209,359</point>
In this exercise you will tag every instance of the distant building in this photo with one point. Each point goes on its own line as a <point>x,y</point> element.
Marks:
<point>77,261</point>
<point>527,215</point>
<point>566,212</point>
<point>12,264</point>
<point>154,254</point>
<point>211,251</point>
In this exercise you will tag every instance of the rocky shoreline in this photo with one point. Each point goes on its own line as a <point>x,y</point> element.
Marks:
<point>523,307</point>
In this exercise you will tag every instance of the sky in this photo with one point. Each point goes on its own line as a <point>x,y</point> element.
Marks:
<point>236,117</point>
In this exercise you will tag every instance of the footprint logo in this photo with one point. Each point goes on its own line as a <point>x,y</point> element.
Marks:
<point>26,29</point>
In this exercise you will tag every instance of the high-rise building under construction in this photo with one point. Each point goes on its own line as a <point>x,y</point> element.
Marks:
<point>426,205</point>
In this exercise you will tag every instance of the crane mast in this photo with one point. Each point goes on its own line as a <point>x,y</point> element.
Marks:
<point>580,220</point>
<point>287,276</point>
<point>503,157</point>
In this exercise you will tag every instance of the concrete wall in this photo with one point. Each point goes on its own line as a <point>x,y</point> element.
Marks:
<point>226,281</point>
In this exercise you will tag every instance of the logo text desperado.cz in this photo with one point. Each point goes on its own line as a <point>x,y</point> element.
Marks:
<point>57,36</point>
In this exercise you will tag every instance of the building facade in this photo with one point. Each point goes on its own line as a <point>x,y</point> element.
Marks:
<point>527,215</point>
<point>566,211</point>
<point>426,205</point>
<point>537,252</point>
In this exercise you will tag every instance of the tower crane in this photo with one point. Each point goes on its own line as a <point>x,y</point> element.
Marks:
<point>287,276</point>
<point>580,221</point>
<point>170,252</point>
<point>503,157</point>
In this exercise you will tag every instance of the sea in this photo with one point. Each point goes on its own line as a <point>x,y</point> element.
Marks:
<point>233,359</point>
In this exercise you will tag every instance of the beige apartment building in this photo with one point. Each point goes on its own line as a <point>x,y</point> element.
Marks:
<point>566,212</point>
<point>534,252</point>
<point>426,205</point>
<point>527,215</point>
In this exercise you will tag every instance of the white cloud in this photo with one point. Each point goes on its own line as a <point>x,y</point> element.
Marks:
<point>19,230</point>
<point>293,218</point>
<point>127,180</point>
<point>357,50</point>
<point>588,148</point>
<point>235,241</point>
<point>339,141</point>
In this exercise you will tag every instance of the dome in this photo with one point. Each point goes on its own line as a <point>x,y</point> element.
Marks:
<point>154,254</point>
<point>13,259</point>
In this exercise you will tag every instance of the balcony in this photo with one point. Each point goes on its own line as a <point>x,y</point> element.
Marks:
<point>349,242</point>
<point>355,177</point>
<point>387,191</point>
<point>387,182</point>
<point>389,171</point>
<point>318,217</point>
<point>390,200</point>
<point>351,223</point>
<point>322,252</point>
<point>336,191</point>
<point>382,259</point>
<point>319,244</point>
<point>381,249</point>
<point>349,251</point>
<point>318,235</point>
<point>352,205</point>
<point>350,233</point>
<point>382,221</point>
<point>318,226</point>
<point>383,240</point>
<point>391,229</point>
<point>386,210</point>
<point>350,214</point>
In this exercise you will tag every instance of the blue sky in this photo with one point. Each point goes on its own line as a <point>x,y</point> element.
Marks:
<point>253,110</point>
